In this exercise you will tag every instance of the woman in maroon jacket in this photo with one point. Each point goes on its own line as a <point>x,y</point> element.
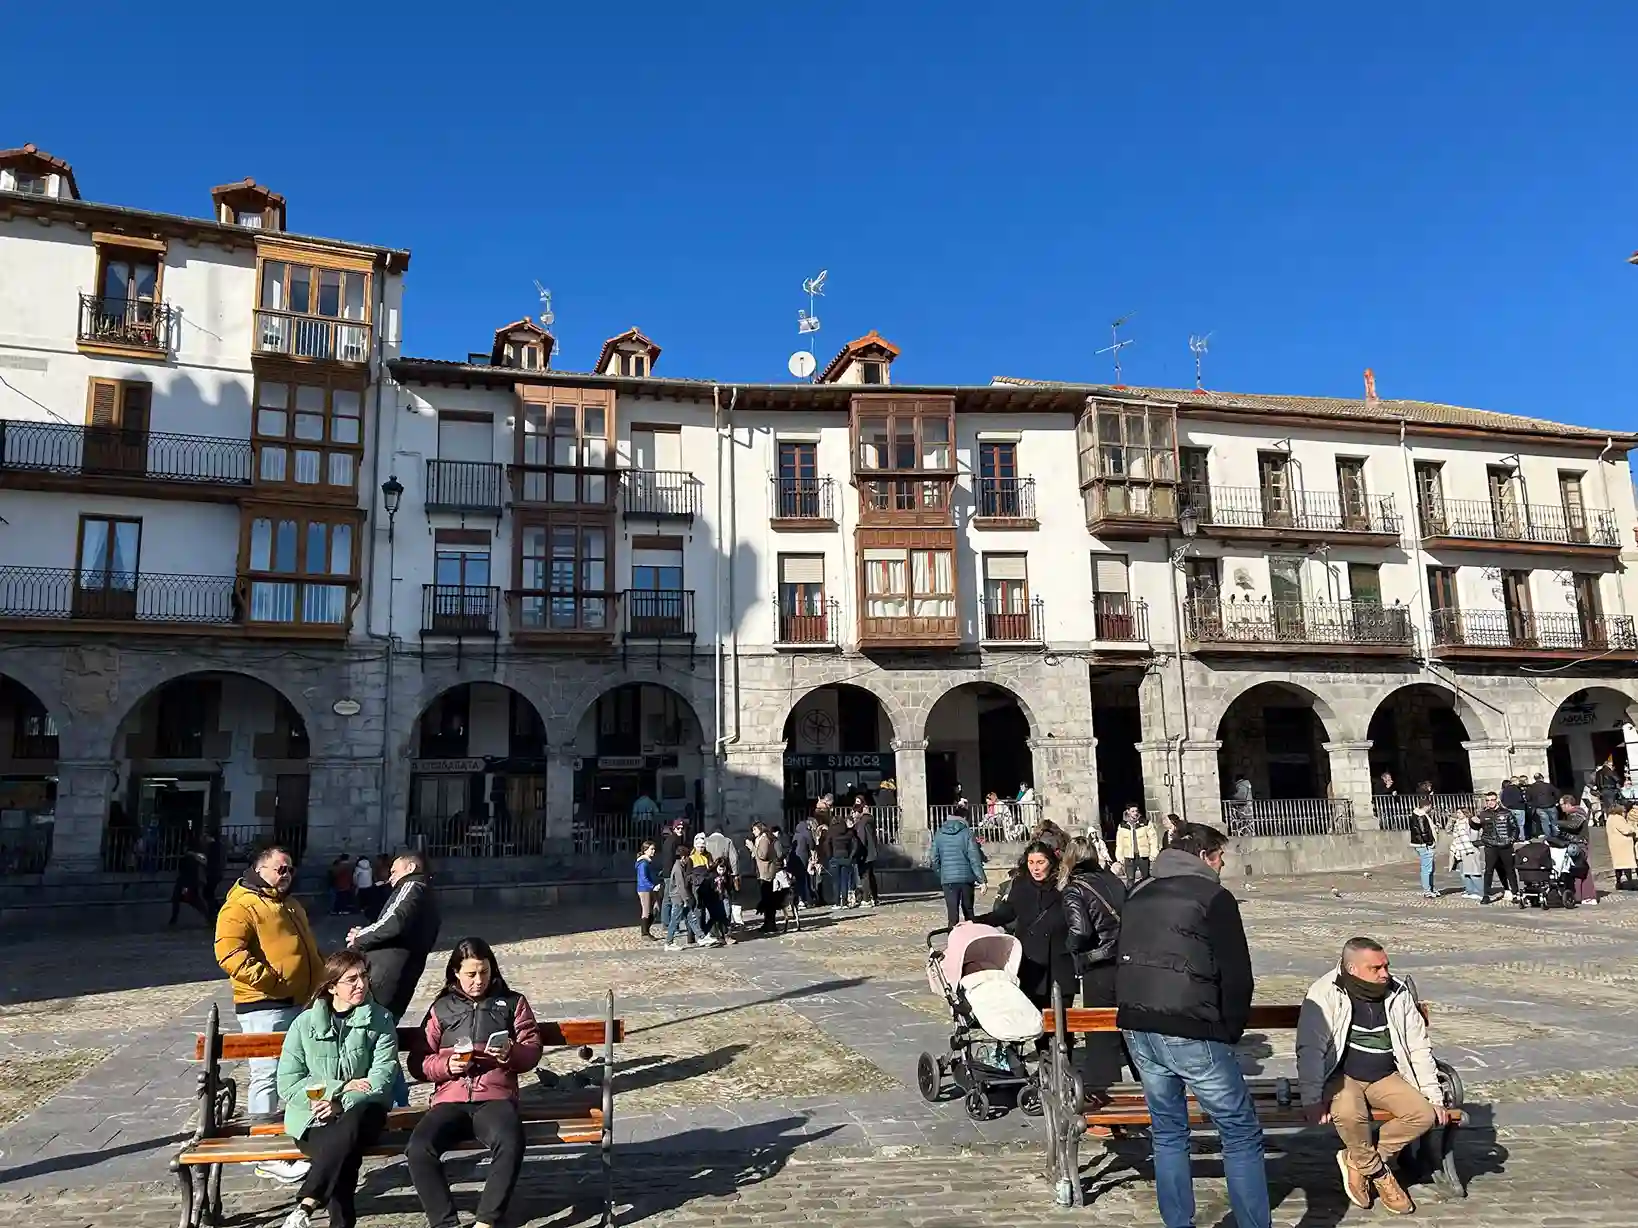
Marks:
<point>479,1035</point>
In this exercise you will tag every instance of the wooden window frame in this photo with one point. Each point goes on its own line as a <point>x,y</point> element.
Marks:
<point>330,383</point>
<point>113,246</point>
<point>910,593</point>
<point>111,518</point>
<point>317,264</point>
<point>543,474</point>
<point>300,577</point>
<point>893,411</point>
<point>581,521</point>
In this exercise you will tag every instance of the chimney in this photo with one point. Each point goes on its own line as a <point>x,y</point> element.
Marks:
<point>1370,389</point>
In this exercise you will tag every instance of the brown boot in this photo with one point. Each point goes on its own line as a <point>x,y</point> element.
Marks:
<point>1355,1184</point>
<point>1391,1193</point>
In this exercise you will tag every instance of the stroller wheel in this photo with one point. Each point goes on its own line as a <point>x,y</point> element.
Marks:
<point>978,1106</point>
<point>1029,1101</point>
<point>929,1079</point>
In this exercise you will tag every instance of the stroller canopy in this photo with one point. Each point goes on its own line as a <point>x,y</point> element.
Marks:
<point>984,962</point>
<point>978,948</point>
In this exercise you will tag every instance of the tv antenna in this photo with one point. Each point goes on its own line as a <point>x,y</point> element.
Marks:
<point>1197,346</point>
<point>803,363</point>
<point>546,316</point>
<point>1116,345</point>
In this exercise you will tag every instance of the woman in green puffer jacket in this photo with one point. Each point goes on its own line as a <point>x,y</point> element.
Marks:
<point>335,1078</point>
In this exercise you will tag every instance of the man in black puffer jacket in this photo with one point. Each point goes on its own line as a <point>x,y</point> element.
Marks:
<point>1494,828</point>
<point>398,942</point>
<point>1183,989</point>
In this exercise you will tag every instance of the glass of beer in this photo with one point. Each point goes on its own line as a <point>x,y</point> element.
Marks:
<point>315,1091</point>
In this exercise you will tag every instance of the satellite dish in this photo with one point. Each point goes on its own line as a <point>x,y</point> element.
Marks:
<point>801,364</point>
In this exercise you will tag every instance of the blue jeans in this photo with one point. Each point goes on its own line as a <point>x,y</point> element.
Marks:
<point>1424,854</point>
<point>1521,822</point>
<point>1171,1068</point>
<point>1473,885</point>
<point>1548,818</point>
<point>841,872</point>
<point>667,907</point>
<point>682,912</point>
<point>262,1096</point>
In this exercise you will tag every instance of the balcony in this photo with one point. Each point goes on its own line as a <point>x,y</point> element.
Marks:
<point>1118,620</point>
<point>460,610</point>
<point>463,486</point>
<point>117,460</point>
<point>803,503</point>
<point>807,629</point>
<point>287,334</point>
<point>659,494</point>
<point>907,632</point>
<point>1130,511</point>
<point>906,502</point>
<point>1004,503</point>
<point>138,328</point>
<point>566,617</point>
<point>55,598</point>
<point>1011,623</point>
<point>1252,514</point>
<point>658,613</point>
<point>1517,634</point>
<point>1537,528</point>
<point>1291,627</point>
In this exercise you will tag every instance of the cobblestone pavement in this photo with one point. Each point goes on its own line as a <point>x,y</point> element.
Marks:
<point>773,1081</point>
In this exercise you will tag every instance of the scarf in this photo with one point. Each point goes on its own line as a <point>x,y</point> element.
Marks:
<point>1365,991</point>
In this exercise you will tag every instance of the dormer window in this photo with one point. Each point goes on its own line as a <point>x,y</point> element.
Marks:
<point>31,185</point>
<point>248,204</point>
<point>30,171</point>
<point>630,355</point>
<point>523,354</point>
<point>862,361</point>
<point>250,221</point>
<point>634,365</point>
<point>871,373</point>
<point>522,345</point>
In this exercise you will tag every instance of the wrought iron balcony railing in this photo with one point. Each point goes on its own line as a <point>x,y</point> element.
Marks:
<point>1119,619</point>
<point>1004,498</point>
<point>291,335</point>
<point>460,609</point>
<point>807,624</point>
<point>658,614</point>
<point>139,324</point>
<point>1538,523</point>
<point>1309,511</point>
<point>61,448</point>
<point>1208,620</point>
<point>1527,631</point>
<point>660,494</point>
<point>812,499</point>
<point>49,593</point>
<point>1012,622</point>
<point>463,486</point>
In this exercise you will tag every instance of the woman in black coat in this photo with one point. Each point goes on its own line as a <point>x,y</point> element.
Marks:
<point>1033,912</point>
<point>1093,898</point>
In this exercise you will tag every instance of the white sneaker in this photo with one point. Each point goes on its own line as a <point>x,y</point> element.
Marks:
<point>286,1172</point>
<point>300,1217</point>
<point>676,946</point>
<point>710,940</point>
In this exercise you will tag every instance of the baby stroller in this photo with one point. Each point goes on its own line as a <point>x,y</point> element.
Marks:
<point>977,973</point>
<point>1547,871</point>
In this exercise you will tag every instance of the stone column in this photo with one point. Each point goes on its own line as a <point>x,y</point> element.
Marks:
<point>1527,757</point>
<point>1490,762</point>
<point>344,810</point>
<point>83,789</point>
<point>1066,780</point>
<point>1160,793</point>
<point>753,786</point>
<point>1202,793</point>
<point>1351,780</point>
<point>560,796</point>
<point>910,774</point>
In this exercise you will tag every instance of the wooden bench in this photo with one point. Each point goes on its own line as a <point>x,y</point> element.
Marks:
<point>1277,1101</point>
<point>578,1112</point>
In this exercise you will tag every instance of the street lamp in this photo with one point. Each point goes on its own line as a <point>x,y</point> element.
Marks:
<point>392,494</point>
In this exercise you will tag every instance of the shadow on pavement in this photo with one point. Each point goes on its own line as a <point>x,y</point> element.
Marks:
<point>84,1159</point>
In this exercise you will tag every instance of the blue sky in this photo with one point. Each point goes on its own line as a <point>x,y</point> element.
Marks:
<point>1445,194</point>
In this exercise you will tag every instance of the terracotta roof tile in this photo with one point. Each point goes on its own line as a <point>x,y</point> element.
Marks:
<point>527,325</point>
<point>1385,410</point>
<point>631,334</point>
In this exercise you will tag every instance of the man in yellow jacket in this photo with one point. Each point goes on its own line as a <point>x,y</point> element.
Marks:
<point>266,946</point>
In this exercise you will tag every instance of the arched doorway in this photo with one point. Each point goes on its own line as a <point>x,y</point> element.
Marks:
<point>28,780</point>
<point>978,744</point>
<point>1591,726</point>
<point>640,756</point>
<point>838,740</point>
<point>478,779</point>
<point>1416,735</point>
<point>1273,737</point>
<point>217,752</point>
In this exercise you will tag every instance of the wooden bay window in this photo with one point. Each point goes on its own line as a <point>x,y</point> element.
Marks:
<point>562,568</point>
<point>301,566</point>
<point>904,458</point>
<point>308,436</point>
<point>561,447</point>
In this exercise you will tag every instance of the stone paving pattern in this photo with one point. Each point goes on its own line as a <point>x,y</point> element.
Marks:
<point>773,1081</point>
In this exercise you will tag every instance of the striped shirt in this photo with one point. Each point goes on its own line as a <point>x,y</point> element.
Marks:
<point>1370,1045</point>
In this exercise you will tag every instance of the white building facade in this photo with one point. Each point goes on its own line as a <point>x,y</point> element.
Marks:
<point>262,574</point>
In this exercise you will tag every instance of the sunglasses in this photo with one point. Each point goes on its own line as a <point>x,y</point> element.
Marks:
<point>283,871</point>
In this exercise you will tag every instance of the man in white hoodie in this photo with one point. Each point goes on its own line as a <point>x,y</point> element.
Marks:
<point>1363,1045</point>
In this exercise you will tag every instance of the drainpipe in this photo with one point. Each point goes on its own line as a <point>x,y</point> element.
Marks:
<point>1413,514</point>
<point>1182,682</point>
<point>1604,489</point>
<point>369,607</point>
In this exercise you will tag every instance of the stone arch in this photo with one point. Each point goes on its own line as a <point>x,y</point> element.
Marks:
<point>23,674</point>
<point>429,697</point>
<point>898,715</point>
<point>563,724</point>
<point>1588,724</point>
<point>1209,718</point>
<point>978,679</point>
<point>976,749</point>
<point>1415,753</point>
<point>1285,760</point>
<point>170,672</point>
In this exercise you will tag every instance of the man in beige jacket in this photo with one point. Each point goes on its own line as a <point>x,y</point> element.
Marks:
<point>1362,1044</point>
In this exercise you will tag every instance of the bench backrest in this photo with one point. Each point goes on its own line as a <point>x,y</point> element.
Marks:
<point>1083,1019</point>
<point>561,1033</point>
